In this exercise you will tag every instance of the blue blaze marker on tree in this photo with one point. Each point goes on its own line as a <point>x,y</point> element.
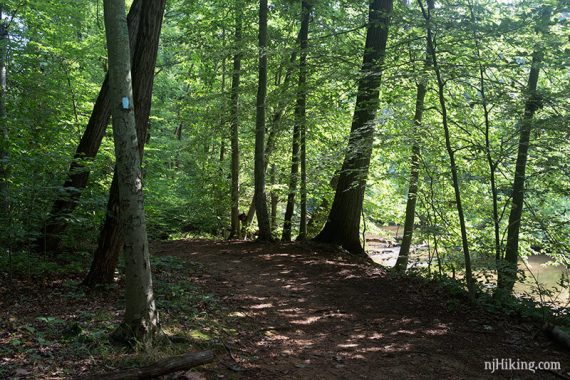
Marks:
<point>125,103</point>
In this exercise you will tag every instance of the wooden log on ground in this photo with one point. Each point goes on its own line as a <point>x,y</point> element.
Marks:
<point>557,334</point>
<point>160,368</point>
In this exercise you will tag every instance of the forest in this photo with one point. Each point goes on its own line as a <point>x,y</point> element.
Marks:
<point>330,189</point>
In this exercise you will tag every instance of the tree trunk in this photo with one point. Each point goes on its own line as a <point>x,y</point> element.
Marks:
<point>161,368</point>
<point>4,168</point>
<point>274,198</point>
<point>259,169</point>
<point>110,243</point>
<point>298,150</point>
<point>450,151</point>
<point>507,270</point>
<point>78,174</point>
<point>343,223</point>
<point>234,125</point>
<point>489,157</point>
<point>403,256</point>
<point>293,179</point>
<point>274,130</point>
<point>141,318</point>
<point>407,235</point>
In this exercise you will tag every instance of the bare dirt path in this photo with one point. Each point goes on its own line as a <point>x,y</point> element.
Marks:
<point>311,313</point>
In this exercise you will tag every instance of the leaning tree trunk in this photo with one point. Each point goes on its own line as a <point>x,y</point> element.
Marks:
<point>78,174</point>
<point>407,236</point>
<point>234,125</point>
<point>259,167</point>
<point>507,270</point>
<point>141,318</point>
<point>450,150</point>
<point>110,242</point>
<point>343,223</point>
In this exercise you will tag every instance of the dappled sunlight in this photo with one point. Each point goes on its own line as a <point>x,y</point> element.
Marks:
<point>309,311</point>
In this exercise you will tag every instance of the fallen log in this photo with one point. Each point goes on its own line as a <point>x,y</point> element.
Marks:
<point>557,334</point>
<point>160,368</point>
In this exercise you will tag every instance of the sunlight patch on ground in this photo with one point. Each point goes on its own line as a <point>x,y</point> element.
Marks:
<point>262,306</point>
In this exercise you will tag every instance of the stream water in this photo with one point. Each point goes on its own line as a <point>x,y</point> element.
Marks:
<point>537,268</point>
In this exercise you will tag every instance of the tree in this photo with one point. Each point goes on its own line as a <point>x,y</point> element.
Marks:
<point>302,100</point>
<point>4,203</point>
<point>450,150</point>
<point>407,235</point>
<point>110,241</point>
<point>4,135</point>
<point>259,169</point>
<point>487,120</point>
<point>234,124</point>
<point>508,269</point>
<point>141,318</point>
<point>77,177</point>
<point>276,126</point>
<point>343,224</point>
<point>299,130</point>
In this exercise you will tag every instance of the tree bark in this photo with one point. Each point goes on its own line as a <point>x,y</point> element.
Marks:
<point>4,167</point>
<point>507,270</point>
<point>449,148</point>
<point>110,243</point>
<point>161,368</point>
<point>488,155</point>
<point>403,256</point>
<point>78,174</point>
<point>273,197</point>
<point>141,318</point>
<point>274,130</point>
<point>293,179</point>
<point>259,167</point>
<point>343,223</point>
<point>234,124</point>
<point>407,235</point>
<point>302,104</point>
<point>299,131</point>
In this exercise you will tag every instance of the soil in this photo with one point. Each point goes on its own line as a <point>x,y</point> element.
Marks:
<point>312,312</point>
<point>278,311</point>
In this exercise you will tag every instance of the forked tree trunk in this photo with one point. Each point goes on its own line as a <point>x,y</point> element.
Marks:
<point>110,243</point>
<point>343,223</point>
<point>259,167</point>
<point>234,124</point>
<point>78,174</point>
<point>507,270</point>
<point>141,318</point>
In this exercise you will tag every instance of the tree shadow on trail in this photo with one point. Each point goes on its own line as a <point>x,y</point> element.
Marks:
<point>311,312</point>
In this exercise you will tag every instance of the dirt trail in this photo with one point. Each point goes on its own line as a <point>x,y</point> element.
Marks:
<point>308,313</point>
